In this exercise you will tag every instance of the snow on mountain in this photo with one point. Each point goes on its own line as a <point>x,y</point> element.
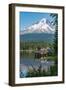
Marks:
<point>43,26</point>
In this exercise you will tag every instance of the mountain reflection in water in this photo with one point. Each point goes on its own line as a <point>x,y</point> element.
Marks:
<point>29,63</point>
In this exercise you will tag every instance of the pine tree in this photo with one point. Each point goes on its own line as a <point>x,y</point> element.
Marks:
<point>55,23</point>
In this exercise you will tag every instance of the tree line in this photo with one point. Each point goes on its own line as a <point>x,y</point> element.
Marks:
<point>33,45</point>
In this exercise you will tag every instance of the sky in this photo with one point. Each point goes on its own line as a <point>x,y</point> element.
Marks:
<point>29,18</point>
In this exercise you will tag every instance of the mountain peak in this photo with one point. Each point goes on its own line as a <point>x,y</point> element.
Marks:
<point>43,26</point>
<point>43,20</point>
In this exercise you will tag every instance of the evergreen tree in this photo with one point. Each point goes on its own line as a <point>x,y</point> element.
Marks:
<point>55,24</point>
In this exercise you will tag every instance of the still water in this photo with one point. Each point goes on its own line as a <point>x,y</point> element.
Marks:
<point>28,62</point>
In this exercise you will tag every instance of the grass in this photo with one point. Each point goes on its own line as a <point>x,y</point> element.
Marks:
<point>39,73</point>
<point>51,57</point>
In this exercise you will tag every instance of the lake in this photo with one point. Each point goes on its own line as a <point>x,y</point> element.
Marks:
<point>30,64</point>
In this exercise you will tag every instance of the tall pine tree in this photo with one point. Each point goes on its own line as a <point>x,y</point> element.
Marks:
<point>55,24</point>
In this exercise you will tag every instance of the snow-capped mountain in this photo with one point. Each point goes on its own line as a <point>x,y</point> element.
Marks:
<point>43,26</point>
